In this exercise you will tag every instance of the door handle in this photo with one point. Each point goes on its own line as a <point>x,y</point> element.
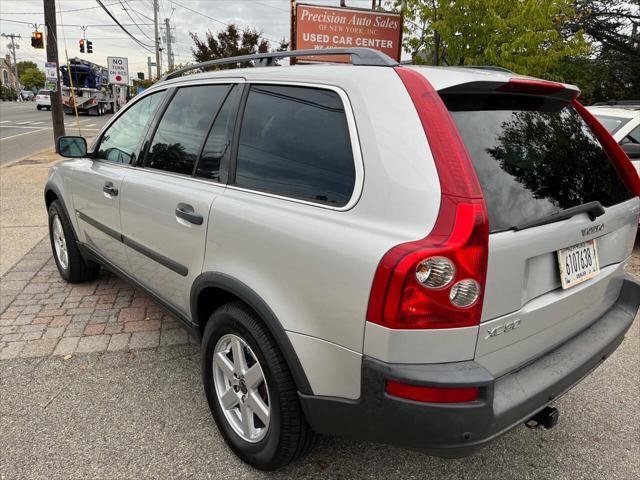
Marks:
<point>186,212</point>
<point>109,189</point>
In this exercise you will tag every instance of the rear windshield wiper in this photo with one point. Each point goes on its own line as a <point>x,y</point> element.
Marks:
<point>593,209</point>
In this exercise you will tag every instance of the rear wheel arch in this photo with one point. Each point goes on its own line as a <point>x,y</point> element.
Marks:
<point>211,290</point>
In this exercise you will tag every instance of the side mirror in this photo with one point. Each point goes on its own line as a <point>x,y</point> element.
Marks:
<point>632,150</point>
<point>71,147</point>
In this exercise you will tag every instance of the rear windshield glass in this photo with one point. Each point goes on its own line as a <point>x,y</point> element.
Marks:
<point>43,92</point>
<point>613,124</point>
<point>533,156</point>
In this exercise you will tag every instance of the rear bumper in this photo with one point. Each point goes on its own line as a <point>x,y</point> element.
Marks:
<point>455,430</point>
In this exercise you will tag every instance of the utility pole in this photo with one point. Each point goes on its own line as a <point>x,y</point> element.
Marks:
<point>157,36</point>
<point>148,68</point>
<point>13,37</point>
<point>169,51</point>
<point>57,115</point>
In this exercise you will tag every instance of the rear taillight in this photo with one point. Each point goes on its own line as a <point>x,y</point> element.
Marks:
<point>432,394</point>
<point>437,282</point>
<point>621,162</point>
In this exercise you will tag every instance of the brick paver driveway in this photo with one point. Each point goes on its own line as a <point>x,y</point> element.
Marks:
<point>43,315</point>
<point>46,316</point>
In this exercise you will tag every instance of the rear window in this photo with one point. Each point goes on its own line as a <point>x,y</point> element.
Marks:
<point>611,123</point>
<point>43,92</point>
<point>534,156</point>
<point>295,142</point>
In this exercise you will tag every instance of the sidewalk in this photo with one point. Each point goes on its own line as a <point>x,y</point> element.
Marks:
<point>23,218</point>
<point>40,314</point>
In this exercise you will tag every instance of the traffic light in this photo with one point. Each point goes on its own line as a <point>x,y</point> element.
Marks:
<point>81,45</point>
<point>37,40</point>
<point>89,46</point>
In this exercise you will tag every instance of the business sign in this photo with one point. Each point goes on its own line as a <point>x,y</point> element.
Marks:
<point>318,27</point>
<point>118,70</point>
<point>51,76</point>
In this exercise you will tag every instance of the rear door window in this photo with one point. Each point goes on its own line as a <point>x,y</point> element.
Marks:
<point>183,127</point>
<point>217,149</point>
<point>294,142</point>
<point>534,156</point>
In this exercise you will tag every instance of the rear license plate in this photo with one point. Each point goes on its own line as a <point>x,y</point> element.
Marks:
<point>578,263</point>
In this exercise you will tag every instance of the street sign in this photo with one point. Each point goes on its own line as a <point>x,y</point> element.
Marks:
<point>320,27</point>
<point>51,76</point>
<point>118,70</point>
<point>51,71</point>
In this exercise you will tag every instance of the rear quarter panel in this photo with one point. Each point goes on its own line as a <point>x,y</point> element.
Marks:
<point>313,265</point>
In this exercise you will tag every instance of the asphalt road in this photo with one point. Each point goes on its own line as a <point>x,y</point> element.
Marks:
<point>24,130</point>
<point>144,415</point>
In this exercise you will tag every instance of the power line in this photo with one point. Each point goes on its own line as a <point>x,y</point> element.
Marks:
<point>144,45</point>
<point>61,11</point>
<point>134,22</point>
<point>173,2</point>
<point>76,25</point>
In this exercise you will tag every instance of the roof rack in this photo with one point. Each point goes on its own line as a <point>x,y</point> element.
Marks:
<point>359,56</point>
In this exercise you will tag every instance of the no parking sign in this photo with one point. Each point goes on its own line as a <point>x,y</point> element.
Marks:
<point>118,70</point>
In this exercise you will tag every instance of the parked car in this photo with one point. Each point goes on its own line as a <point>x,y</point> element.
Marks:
<point>421,256</point>
<point>26,95</point>
<point>43,100</point>
<point>622,120</point>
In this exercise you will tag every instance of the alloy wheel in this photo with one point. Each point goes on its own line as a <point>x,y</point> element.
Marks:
<point>241,388</point>
<point>60,243</point>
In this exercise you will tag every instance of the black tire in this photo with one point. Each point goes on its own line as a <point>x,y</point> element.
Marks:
<point>38,107</point>
<point>289,436</point>
<point>77,269</point>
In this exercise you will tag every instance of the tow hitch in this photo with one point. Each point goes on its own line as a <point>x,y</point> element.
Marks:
<point>546,418</point>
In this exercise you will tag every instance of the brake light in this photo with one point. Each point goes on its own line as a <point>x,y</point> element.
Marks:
<point>438,281</point>
<point>531,86</point>
<point>432,394</point>
<point>620,161</point>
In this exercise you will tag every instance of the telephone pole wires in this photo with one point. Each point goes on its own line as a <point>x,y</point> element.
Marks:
<point>51,28</point>
<point>169,39</point>
<point>156,7</point>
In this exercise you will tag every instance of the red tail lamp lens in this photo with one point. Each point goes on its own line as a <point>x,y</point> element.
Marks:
<point>432,394</point>
<point>412,285</point>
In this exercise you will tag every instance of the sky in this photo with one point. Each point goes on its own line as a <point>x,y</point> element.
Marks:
<point>271,17</point>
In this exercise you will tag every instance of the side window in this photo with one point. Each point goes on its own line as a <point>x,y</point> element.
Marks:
<point>178,138</point>
<point>218,145</point>
<point>294,141</point>
<point>120,142</point>
<point>632,137</point>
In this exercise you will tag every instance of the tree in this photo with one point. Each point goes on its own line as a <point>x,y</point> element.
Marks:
<point>611,72</point>
<point>527,36</point>
<point>231,42</point>
<point>32,78</point>
<point>25,65</point>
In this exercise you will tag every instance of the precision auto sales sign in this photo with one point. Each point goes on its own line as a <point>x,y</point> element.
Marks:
<point>320,27</point>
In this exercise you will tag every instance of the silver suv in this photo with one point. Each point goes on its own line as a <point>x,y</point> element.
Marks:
<point>420,256</point>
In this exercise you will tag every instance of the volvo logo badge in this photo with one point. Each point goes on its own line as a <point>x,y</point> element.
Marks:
<point>591,230</point>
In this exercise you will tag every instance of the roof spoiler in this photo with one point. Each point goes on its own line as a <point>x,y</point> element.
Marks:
<point>518,86</point>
